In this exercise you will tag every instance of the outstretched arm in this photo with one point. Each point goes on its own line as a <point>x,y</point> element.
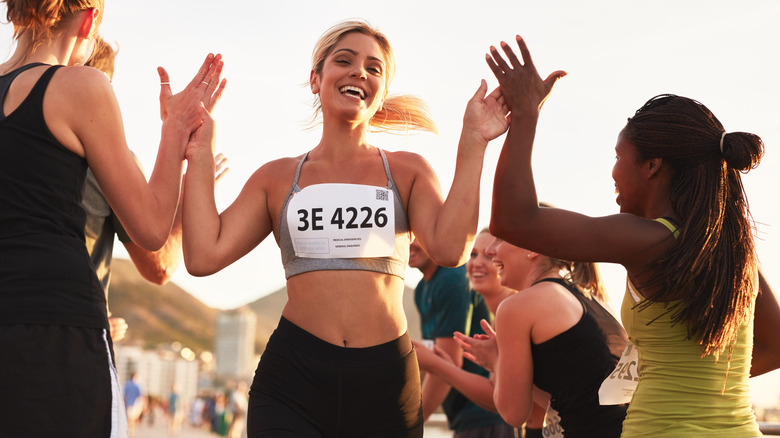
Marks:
<point>213,240</point>
<point>446,228</point>
<point>516,216</point>
<point>146,209</point>
<point>158,266</point>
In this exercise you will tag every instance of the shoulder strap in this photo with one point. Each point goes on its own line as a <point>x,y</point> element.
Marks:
<point>560,281</point>
<point>295,187</point>
<point>670,224</point>
<point>7,79</point>
<point>390,182</point>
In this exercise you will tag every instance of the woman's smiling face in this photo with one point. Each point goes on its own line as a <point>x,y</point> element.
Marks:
<point>352,82</point>
<point>483,275</point>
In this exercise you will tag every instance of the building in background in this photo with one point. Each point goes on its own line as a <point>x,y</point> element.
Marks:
<point>234,347</point>
<point>158,370</point>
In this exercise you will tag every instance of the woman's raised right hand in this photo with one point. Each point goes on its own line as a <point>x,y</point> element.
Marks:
<point>205,88</point>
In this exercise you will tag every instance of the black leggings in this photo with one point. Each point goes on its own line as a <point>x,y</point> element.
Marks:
<point>306,387</point>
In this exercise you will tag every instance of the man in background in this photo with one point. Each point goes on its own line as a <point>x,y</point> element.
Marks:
<point>447,304</point>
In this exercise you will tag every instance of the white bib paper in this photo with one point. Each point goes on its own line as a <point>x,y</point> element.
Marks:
<point>552,424</point>
<point>342,221</point>
<point>619,387</point>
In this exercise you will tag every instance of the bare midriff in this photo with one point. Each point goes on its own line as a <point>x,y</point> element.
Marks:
<point>353,309</point>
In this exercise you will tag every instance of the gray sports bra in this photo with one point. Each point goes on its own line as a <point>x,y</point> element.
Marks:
<point>393,265</point>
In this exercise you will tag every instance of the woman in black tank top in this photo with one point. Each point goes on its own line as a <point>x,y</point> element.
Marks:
<point>554,334</point>
<point>57,118</point>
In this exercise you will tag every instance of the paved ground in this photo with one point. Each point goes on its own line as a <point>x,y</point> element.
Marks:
<point>160,430</point>
<point>433,429</point>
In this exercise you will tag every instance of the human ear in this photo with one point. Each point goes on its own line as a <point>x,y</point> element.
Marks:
<point>654,166</point>
<point>88,20</point>
<point>314,82</point>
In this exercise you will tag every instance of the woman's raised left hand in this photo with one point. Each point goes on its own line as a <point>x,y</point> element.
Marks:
<point>523,89</point>
<point>485,116</point>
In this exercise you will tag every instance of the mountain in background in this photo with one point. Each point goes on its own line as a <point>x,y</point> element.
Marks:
<point>159,314</point>
<point>164,314</point>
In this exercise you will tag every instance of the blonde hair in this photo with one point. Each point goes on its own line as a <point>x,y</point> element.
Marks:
<point>399,112</point>
<point>584,275</point>
<point>42,17</point>
<point>103,57</point>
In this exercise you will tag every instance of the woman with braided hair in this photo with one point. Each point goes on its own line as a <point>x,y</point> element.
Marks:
<point>684,236</point>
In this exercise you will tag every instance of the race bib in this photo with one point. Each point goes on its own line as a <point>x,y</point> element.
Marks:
<point>552,424</point>
<point>618,388</point>
<point>342,221</point>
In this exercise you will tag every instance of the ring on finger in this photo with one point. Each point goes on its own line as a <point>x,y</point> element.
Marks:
<point>204,82</point>
<point>165,83</point>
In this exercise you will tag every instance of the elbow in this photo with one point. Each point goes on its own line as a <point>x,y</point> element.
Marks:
<point>449,262</point>
<point>161,276</point>
<point>500,226</point>
<point>513,413</point>
<point>197,268</point>
<point>151,241</point>
<point>197,272</point>
<point>513,417</point>
<point>449,257</point>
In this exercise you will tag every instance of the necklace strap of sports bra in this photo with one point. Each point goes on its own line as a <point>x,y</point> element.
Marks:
<point>671,224</point>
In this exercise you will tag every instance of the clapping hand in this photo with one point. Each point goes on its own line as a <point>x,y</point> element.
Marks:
<point>481,349</point>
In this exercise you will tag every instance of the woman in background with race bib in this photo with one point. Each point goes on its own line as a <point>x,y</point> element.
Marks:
<point>684,236</point>
<point>554,335</point>
<point>340,363</point>
<point>484,279</point>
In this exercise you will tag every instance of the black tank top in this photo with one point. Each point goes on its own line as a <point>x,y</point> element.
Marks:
<point>572,365</point>
<point>46,276</point>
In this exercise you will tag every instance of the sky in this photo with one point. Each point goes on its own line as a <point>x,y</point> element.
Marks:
<point>617,55</point>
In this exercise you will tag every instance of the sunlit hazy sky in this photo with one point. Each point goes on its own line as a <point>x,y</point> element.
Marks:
<point>617,55</point>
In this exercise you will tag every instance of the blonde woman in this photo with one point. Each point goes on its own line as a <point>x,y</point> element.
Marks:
<point>340,362</point>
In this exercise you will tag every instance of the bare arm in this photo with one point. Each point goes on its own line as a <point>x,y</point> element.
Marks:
<point>513,394</point>
<point>213,240</point>
<point>475,387</point>
<point>158,266</point>
<point>87,120</point>
<point>446,228</point>
<point>766,342</point>
<point>435,389</point>
<point>516,216</point>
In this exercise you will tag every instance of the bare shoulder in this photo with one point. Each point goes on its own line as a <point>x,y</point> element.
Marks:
<point>273,180</point>
<point>536,299</point>
<point>86,83</point>
<point>406,161</point>
<point>408,168</point>
<point>279,171</point>
<point>83,95</point>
